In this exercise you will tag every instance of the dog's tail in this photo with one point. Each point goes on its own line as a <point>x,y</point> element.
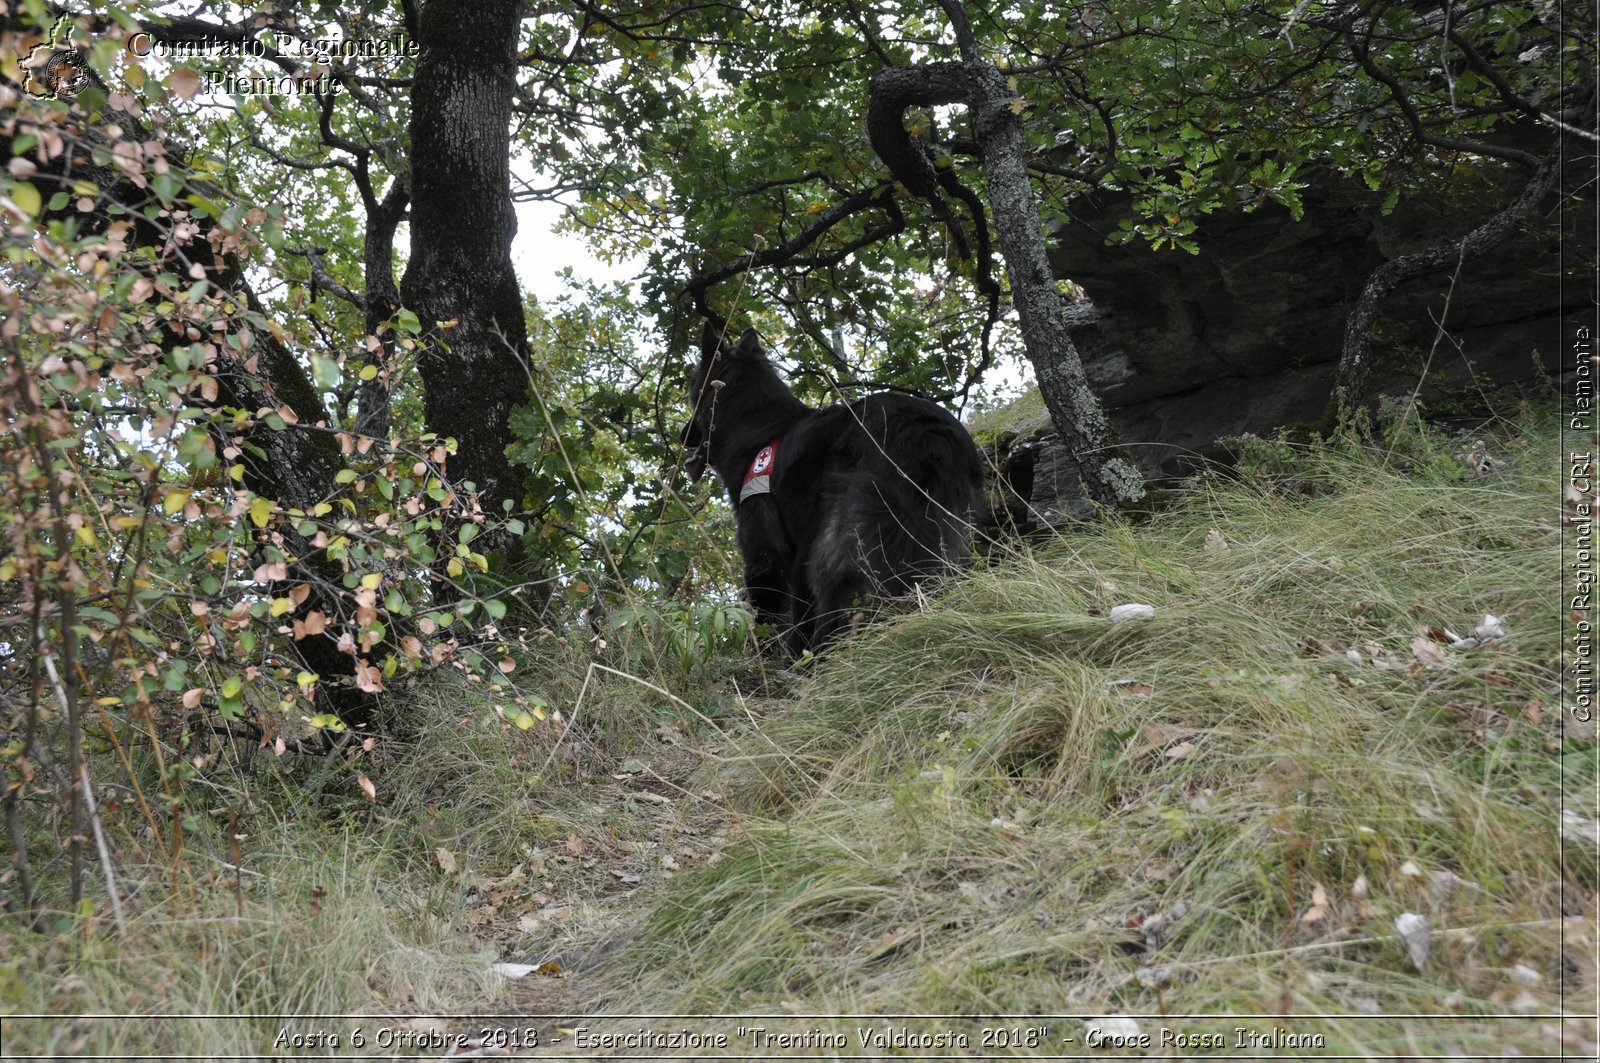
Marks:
<point>928,533</point>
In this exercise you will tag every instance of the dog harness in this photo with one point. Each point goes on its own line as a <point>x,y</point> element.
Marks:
<point>758,479</point>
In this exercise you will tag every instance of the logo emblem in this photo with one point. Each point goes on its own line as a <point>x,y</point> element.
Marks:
<point>63,73</point>
<point>758,478</point>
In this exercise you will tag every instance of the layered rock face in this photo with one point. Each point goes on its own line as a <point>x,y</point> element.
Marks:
<point>1245,336</point>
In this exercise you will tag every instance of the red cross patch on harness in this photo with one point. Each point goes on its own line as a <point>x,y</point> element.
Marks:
<point>758,480</point>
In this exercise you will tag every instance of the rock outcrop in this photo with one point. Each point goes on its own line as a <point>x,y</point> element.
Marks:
<point>1245,336</point>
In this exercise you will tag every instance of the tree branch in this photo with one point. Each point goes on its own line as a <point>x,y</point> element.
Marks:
<point>881,197</point>
<point>1355,360</point>
<point>1361,49</point>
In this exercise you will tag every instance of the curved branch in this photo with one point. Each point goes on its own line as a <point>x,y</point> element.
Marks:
<point>881,197</point>
<point>1361,49</point>
<point>1355,360</point>
<point>892,91</point>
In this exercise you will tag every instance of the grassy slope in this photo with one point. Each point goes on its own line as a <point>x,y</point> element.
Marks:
<point>1006,803</point>
<point>1013,804</point>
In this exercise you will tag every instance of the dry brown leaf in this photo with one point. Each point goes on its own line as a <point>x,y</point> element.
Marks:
<point>366,787</point>
<point>1319,904</point>
<point>185,82</point>
<point>447,860</point>
<point>1427,651</point>
<point>652,798</point>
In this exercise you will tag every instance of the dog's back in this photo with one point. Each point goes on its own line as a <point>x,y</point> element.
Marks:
<point>880,495</point>
<point>834,505</point>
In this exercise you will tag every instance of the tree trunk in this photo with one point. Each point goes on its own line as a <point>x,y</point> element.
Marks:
<point>1108,478</point>
<point>382,300</point>
<point>1355,359</point>
<point>460,282</point>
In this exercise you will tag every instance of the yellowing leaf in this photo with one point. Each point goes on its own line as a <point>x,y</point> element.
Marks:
<point>174,502</point>
<point>260,511</point>
<point>25,196</point>
<point>371,580</point>
<point>279,606</point>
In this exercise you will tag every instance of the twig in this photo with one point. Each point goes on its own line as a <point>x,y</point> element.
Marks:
<point>105,851</point>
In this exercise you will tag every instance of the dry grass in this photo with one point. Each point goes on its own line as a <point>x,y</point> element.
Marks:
<point>1007,804</point>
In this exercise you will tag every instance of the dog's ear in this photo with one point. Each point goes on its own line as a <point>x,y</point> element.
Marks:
<point>710,339</point>
<point>749,345</point>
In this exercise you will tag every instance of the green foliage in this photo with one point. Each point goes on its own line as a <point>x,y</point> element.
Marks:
<point>158,600</point>
<point>1187,110</point>
<point>694,634</point>
<point>166,577</point>
<point>602,451</point>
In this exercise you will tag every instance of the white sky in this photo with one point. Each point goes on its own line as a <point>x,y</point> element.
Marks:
<point>539,255</point>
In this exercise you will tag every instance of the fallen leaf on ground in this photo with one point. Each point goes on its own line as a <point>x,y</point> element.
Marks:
<point>1427,651</point>
<point>1416,934</point>
<point>1319,904</point>
<point>512,970</point>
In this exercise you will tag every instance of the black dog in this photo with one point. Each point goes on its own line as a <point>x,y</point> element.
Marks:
<point>834,504</point>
